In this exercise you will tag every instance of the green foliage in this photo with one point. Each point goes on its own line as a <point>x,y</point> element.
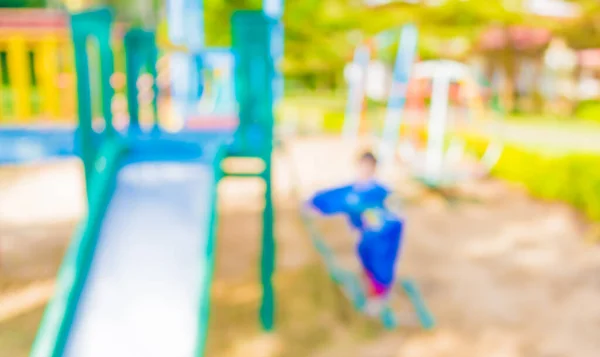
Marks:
<point>333,122</point>
<point>141,13</point>
<point>464,18</point>
<point>571,178</point>
<point>583,32</point>
<point>320,35</point>
<point>588,110</point>
<point>317,35</point>
<point>22,3</point>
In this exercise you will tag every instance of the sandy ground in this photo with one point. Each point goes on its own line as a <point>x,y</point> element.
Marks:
<point>39,208</point>
<point>505,275</point>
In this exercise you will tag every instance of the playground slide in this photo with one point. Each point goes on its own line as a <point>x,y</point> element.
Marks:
<point>146,292</point>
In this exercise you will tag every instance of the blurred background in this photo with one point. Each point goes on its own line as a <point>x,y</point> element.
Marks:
<point>509,265</point>
<point>531,51</point>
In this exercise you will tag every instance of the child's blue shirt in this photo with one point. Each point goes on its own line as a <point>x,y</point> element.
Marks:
<point>381,230</point>
<point>351,200</point>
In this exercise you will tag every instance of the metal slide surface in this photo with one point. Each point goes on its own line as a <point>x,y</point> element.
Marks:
<point>143,291</point>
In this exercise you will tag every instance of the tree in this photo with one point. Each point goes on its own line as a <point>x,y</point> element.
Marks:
<point>22,3</point>
<point>584,31</point>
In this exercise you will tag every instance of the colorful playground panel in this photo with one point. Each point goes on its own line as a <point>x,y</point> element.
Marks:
<point>37,64</point>
<point>127,286</point>
<point>38,94</point>
<point>144,187</point>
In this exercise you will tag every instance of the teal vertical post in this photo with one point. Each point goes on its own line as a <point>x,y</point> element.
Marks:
<point>254,73</point>
<point>140,52</point>
<point>267,308</point>
<point>96,25</point>
<point>274,10</point>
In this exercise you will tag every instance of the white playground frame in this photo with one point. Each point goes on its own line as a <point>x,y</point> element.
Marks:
<point>439,165</point>
<point>407,37</point>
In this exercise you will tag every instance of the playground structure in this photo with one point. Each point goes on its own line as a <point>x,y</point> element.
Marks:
<point>218,99</point>
<point>132,162</point>
<point>433,147</point>
<point>440,162</point>
<point>458,273</point>
<point>38,101</point>
<point>201,79</point>
<point>405,56</point>
<point>37,86</point>
<point>36,68</point>
<point>158,188</point>
<point>216,107</point>
<point>37,105</point>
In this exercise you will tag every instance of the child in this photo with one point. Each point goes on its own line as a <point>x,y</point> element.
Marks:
<point>380,230</point>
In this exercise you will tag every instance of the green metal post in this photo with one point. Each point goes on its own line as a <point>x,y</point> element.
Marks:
<point>140,52</point>
<point>97,25</point>
<point>268,254</point>
<point>254,73</point>
<point>61,312</point>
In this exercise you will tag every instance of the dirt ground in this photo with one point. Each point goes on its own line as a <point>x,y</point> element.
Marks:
<point>504,275</point>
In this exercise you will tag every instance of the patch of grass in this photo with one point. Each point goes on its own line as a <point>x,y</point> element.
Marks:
<point>573,178</point>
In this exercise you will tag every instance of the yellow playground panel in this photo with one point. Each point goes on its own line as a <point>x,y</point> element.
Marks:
<point>37,72</point>
<point>37,80</point>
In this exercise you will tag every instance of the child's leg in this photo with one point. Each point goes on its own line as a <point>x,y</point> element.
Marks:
<point>377,295</point>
